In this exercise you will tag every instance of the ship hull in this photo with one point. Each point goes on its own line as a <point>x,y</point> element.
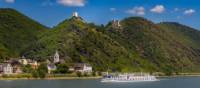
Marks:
<point>118,81</point>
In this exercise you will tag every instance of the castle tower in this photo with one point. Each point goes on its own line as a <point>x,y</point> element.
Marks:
<point>56,58</point>
<point>75,14</point>
<point>116,24</point>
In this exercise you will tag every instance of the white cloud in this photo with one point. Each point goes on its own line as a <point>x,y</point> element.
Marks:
<point>189,11</point>
<point>113,9</point>
<point>73,3</point>
<point>10,1</point>
<point>137,11</point>
<point>158,9</point>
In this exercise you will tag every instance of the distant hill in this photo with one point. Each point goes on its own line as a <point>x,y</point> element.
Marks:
<point>168,46</point>
<point>17,31</point>
<point>137,45</point>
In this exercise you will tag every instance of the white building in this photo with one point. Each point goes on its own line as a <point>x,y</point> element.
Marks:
<point>56,58</point>
<point>51,68</point>
<point>23,61</point>
<point>75,14</point>
<point>83,68</point>
<point>7,69</point>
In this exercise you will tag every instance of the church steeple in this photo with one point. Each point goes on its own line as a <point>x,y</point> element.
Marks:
<point>56,57</point>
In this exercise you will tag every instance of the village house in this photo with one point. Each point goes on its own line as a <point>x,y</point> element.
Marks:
<point>34,64</point>
<point>18,70</point>
<point>71,69</point>
<point>81,67</point>
<point>51,68</point>
<point>16,65</point>
<point>23,61</point>
<point>7,69</point>
<point>1,68</point>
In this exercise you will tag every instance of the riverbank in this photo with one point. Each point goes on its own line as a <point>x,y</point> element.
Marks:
<point>90,77</point>
<point>177,75</point>
<point>53,78</point>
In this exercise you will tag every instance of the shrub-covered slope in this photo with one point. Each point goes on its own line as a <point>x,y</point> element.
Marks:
<point>167,51</point>
<point>17,31</point>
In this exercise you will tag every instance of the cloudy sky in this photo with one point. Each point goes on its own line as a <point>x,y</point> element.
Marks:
<point>51,12</point>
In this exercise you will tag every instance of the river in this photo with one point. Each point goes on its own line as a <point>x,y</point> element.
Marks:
<point>173,82</point>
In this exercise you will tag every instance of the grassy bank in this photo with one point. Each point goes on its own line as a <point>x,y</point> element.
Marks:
<point>74,76</point>
<point>48,77</point>
<point>51,78</point>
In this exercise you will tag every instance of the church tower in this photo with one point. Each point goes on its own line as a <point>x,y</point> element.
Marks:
<point>56,57</point>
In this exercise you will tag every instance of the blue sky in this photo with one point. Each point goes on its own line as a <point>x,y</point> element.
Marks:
<point>51,12</point>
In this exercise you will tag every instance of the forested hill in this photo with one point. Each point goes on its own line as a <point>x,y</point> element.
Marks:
<point>136,45</point>
<point>17,31</point>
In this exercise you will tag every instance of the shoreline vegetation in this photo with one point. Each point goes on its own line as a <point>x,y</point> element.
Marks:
<point>74,77</point>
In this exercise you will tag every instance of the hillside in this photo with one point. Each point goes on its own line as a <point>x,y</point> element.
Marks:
<point>80,42</point>
<point>165,50</point>
<point>17,31</point>
<point>184,34</point>
<point>137,45</point>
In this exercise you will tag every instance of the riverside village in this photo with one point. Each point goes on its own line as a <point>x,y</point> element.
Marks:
<point>28,68</point>
<point>23,67</point>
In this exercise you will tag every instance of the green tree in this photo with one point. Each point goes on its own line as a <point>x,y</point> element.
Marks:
<point>79,74</point>
<point>85,74</point>
<point>27,69</point>
<point>43,67</point>
<point>99,73</point>
<point>34,74</point>
<point>62,68</point>
<point>41,71</point>
<point>93,73</point>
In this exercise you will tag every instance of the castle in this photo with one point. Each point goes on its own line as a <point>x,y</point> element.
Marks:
<point>75,14</point>
<point>116,24</point>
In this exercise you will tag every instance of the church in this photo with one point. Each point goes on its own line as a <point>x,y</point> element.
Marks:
<point>56,57</point>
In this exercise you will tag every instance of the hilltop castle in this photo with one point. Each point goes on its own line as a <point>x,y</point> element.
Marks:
<point>116,24</point>
<point>75,14</point>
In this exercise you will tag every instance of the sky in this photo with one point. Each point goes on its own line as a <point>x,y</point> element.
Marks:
<point>52,12</point>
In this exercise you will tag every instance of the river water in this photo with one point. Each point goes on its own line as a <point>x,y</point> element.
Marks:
<point>177,82</point>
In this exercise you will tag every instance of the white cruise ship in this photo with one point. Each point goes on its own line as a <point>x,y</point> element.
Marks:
<point>134,77</point>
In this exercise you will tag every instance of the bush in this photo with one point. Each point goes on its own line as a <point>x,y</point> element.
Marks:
<point>79,74</point>
<point>40,72</point>
<point>93,73</point>
<point>34,74</point>
<point>99,73</point>
<point>43,67</point>
<point>62,68</point>
<point>85,74</point>
<point>27,69</point>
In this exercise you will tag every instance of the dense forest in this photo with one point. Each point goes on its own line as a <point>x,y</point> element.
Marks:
<point>137,45</point>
